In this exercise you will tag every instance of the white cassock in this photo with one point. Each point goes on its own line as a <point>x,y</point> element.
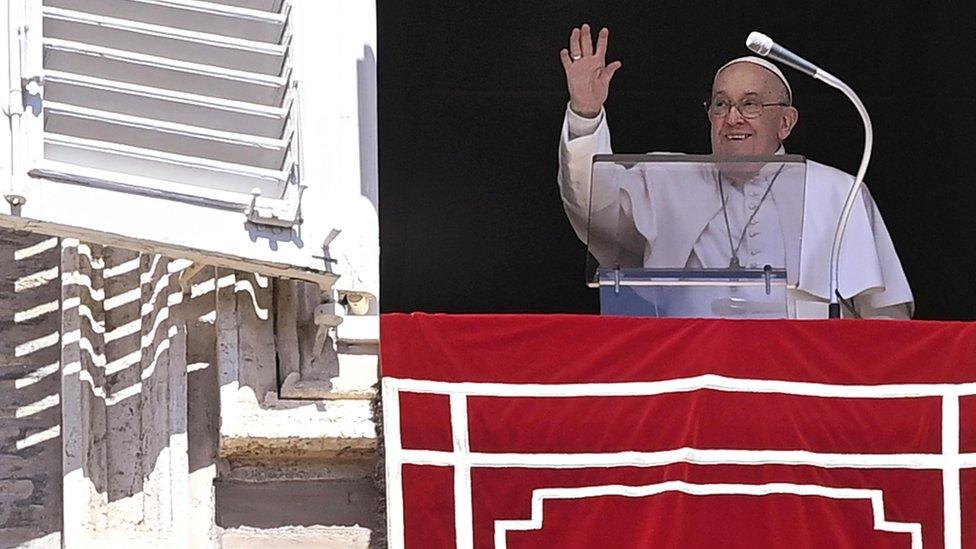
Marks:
<point>699,237</point>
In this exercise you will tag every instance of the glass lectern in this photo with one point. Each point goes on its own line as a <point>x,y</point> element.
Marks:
<point>673,235</point>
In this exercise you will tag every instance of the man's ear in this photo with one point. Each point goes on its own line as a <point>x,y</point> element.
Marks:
<point>787,122</point>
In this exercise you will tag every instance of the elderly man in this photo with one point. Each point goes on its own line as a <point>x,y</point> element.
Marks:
<point>751,113</point>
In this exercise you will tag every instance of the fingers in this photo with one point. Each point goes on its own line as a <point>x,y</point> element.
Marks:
<point>586,41</point>
<point>581,43</point>
<point>609,71</point>
<point>601,44</point>
<point>574,44</point>
<point>564,56</point>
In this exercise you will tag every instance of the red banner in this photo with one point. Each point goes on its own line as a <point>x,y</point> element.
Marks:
<point>581,431</point>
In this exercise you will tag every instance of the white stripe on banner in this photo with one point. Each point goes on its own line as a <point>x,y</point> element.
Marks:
<point>696,456</point>
<point>502,527</point>
<point>463,521</point>
<point>951,496</point>
<point>394,464</point>
<point>683,385</point>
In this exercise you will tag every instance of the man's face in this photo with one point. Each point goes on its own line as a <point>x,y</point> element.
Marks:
<point>734,134</point>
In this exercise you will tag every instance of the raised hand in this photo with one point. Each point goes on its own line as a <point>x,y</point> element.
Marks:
<point>587,73</point>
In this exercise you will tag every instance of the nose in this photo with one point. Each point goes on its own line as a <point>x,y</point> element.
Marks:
<point>736,118</point>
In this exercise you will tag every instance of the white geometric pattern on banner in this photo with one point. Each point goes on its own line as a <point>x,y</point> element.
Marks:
<point>949,461</point>
<point>876,497</point>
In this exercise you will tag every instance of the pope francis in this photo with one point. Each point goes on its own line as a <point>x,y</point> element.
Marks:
<point>751,113</point>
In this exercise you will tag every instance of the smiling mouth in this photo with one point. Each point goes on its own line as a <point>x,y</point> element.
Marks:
<point>737,136</point>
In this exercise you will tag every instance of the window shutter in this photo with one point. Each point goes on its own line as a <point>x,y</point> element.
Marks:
<point>175,126</point>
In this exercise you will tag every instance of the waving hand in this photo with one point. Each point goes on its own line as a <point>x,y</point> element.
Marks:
<point>587,72</point>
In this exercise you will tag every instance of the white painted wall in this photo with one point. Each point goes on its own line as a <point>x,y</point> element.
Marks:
<point>337,39</point>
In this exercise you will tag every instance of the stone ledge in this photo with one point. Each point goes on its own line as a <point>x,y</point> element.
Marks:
<point>323,537</point>
<point>299,430</point>
<point>275,449</point>
<point>295,388</point>
<point>256,469</point>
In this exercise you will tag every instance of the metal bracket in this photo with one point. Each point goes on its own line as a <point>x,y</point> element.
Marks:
<point>324,315</point>
<point>326,320</point>
<point>187,275</point>
<point>16,201</point>
<point>287,215</point>
<point>355,302</point>
<point>32,86</point>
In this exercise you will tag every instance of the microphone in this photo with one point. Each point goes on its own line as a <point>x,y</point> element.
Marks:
<point>764,46</point>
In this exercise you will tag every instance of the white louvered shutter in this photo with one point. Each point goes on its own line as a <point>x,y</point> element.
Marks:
<point>177,126</point>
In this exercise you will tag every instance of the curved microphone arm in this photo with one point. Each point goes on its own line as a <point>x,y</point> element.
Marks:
<point>852,195</point>
<point>766,47</point>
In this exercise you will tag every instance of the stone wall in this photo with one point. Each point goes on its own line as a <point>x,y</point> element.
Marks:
<point>30,412</point>
<point>149,408</point>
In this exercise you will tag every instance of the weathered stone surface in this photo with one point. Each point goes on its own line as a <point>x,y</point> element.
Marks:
<point>15,490</point>
<point>275,504</point>
<point>168,393</point>
<point>30,408</point>
<point>124,376</point>
<point>296,429</point>
<point>297,537</point>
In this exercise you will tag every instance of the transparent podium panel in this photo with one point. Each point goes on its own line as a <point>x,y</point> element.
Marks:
<point>714,293</point>
<point>695,235</point>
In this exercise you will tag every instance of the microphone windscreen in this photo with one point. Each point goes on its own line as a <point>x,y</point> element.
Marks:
<point>759,43</point>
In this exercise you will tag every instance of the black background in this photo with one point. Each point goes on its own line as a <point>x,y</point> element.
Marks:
<point>472,95</point>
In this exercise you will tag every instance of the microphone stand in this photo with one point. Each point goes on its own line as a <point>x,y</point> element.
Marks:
<point>764,46</point>
<point>853,194</point>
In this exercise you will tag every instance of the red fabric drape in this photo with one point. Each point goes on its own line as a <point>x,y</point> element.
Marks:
<point>830,453</point>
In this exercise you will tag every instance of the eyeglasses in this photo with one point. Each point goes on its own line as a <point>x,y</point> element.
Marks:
<point>748,108</point>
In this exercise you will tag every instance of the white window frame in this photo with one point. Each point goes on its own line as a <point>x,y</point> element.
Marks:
<point>209,226</point>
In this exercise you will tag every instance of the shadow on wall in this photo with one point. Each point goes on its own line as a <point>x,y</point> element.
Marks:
<point>30,432</point>
<point>114,404</point>
<point>145,359</point>
<point>124,370</point>
<point>368,163</point>
<point>142,386</point>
